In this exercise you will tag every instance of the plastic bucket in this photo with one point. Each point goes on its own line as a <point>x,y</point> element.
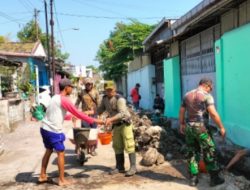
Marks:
<point>105,138</point>
<point>202,166</point>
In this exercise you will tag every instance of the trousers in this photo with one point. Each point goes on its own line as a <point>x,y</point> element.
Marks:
<point>199,142</point>
<point>123,139</point>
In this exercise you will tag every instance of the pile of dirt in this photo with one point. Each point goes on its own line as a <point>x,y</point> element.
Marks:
<point>155,143</point>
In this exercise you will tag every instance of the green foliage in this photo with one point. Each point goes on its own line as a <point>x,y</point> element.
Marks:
<point>26,88</point>
<point>29,34</point>
<point>123,44</point>
<point>25,77</point>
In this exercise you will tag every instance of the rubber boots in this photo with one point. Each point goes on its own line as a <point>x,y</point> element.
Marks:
<point>119,165</point>
<point>132,170</point>
<point>194,180</point>
<point>215,178</point>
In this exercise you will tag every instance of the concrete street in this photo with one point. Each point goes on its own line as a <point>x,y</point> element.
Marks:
<point>20,167</point>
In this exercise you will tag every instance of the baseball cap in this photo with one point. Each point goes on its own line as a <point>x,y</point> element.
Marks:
<point>110,85</point>
<point>88,80</point>
<point>65,82</point>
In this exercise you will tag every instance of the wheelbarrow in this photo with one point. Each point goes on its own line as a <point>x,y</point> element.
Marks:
<point>81,136</point>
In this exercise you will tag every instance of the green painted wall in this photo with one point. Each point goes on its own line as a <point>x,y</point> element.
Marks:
<point>172,87</point>
<point>232,56</point>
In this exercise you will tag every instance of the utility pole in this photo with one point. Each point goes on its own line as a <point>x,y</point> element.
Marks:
<point>48,46</point>
<point>36,22</point>
<point>52,47</point>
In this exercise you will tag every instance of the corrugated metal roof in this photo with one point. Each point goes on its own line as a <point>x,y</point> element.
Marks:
<point>161,23</point>
<point>193,12</point>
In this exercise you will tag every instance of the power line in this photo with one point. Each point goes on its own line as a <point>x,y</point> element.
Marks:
<point>30,4</point>
<point>2,14</point>
<point>106,17</point>
<point>25,5</point>
<point>121,4</point>
<point>20,19</point>
<point>96,7</point>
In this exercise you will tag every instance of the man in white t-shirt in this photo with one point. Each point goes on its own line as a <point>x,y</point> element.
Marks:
<point>51,129</point>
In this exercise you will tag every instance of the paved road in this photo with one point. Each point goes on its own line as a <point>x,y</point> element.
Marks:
<point>20,166</point>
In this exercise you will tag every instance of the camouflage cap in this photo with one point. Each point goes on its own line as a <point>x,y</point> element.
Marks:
<point>110,85</point>
<point>88,80</point>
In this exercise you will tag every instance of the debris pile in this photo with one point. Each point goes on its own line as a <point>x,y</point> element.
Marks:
<point>155,143</point>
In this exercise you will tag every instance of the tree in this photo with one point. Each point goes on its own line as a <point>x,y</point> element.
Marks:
<point>31,31</point>
<point>123,44</point>
<point>4,39</point>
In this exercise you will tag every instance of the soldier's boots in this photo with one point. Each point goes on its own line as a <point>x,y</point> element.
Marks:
<point>216,178</point>
<point>119,165</point>
<point>194,180</point>
<point>132,171</point>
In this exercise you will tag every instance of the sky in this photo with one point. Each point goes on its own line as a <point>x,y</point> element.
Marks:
<point>82,25</point>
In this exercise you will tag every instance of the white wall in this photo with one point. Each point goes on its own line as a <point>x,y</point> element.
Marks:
<point>147,90</point>
<point>40,51</point>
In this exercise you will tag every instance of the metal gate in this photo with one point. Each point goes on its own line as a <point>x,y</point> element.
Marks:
<point>197,58</point>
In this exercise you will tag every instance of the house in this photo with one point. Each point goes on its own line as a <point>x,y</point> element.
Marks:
<point>31,54</point>
<point>213,40</point>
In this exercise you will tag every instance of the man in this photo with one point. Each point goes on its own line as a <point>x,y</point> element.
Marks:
<point>199,104</point>
<point>89,98</point>
<point>123,137</point>
<point>51,129</point>
<point>136,96</point>
<point>159,103</point>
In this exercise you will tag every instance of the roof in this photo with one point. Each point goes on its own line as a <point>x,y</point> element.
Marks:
<point>163,22</point>
<point>5,62</point>
<point>27,49</point>
<point>206,9</point>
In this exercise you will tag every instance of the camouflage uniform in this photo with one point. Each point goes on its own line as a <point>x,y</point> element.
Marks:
<point>89,100</point>
<point>198,138</point>
<point>123,137</point>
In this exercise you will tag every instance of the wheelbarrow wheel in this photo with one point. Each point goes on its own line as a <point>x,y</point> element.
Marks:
<point>83,158</point>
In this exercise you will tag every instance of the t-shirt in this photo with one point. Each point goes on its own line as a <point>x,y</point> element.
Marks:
<point>89,100</point>
<point>56,112</point>
<point>196,103</point>
<point>135,95</point>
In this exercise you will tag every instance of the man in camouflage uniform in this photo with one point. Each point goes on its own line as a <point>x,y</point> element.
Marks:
<point>89,100</point>
<point>199,104</point>
<point>123,137</point>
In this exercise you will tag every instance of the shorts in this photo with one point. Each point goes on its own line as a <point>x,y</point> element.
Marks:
<point>53,140</point>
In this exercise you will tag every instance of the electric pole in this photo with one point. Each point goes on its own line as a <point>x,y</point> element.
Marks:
<point>36,22</point>
<point>48,45</point>
<point>52,47</point>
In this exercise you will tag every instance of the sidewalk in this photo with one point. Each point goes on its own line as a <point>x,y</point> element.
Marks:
<point>20,167</point>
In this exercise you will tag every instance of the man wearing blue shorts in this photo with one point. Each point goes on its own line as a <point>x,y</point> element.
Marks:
<point>51,129</point>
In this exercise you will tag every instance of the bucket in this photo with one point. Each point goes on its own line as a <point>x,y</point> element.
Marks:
<point>105,138</point>
<point>202,166</point>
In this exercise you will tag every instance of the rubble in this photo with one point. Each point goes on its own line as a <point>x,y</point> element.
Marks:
<point>160,141</point>
<point>155,143</point>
